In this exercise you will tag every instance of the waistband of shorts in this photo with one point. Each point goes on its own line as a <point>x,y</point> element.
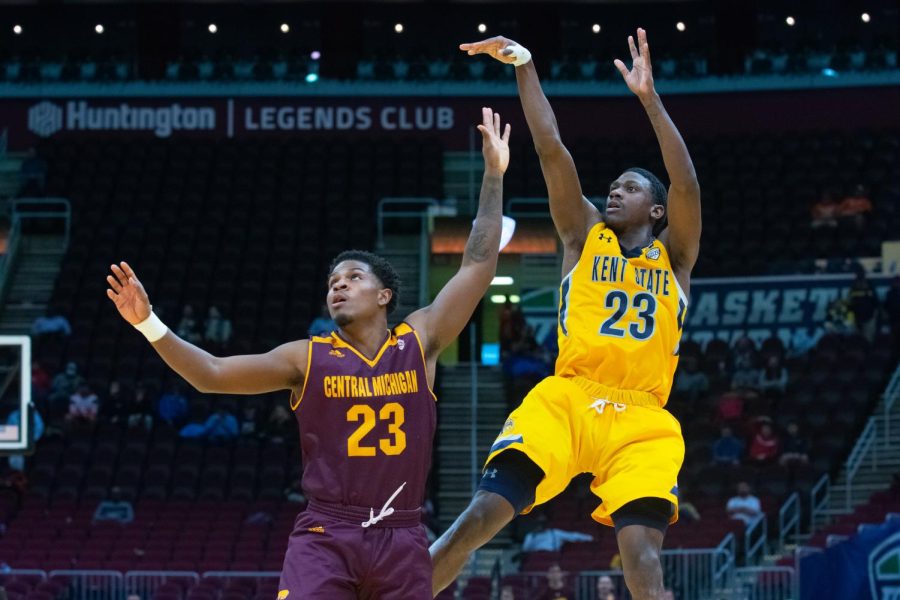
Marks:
<point>359,515</point>
<point>629,397</point>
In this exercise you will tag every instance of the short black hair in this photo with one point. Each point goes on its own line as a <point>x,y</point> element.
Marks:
<point>380,267</point>
<point>658,193</point>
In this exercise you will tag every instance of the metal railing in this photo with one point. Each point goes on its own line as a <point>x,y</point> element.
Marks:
<point>768,583</point>
<point>819,496</point>
<point>8,259</point>
<point>145,583</point>
<point>726,553</point>
<point>92,585</point>
<point>891,394</point>
<point>24,573</point>
<point>44,208</point>
<point>788,520</point>
<point>698,573</point>
<point>865,445</point>
<point>586,583</point>
<point>411,208</point>
<point>755,537</point>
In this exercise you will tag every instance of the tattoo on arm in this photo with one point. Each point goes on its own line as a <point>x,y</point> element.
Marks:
<point>485,236</point>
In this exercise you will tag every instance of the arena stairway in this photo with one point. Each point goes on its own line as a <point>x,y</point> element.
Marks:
<point>10,165</point>
<point>453,470</point>
<point>876,466</point>
<point>462,176</point>
<point>33,277</point>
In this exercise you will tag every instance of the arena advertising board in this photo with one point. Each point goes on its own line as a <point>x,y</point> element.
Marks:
<point>118,112</point>
<point>729,308</point>
<point>867,566</point>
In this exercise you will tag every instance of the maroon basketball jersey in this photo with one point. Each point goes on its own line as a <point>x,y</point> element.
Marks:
<point>366,426</point>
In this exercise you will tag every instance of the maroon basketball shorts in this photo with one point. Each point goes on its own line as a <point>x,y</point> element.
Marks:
<point>331,556</point>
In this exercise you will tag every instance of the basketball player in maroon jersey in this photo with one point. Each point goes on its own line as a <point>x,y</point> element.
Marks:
<point>362,397</point>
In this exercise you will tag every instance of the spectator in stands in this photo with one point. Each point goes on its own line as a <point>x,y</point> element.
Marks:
<point>892,309</point>
<point>322,325</point>
<point>51,325</point>
<point>173,406</point>
<point>116,404</point>
<point>745,376</point>
<point>687,512</point>
<point>668,594</point>
<point>824,212</point>
<point>295,493</point>
<point>281,424</point>
<point>730,407</point>
<point>803,340</point>
<point>863,304</point>
<point>745,506</point>
<point>249,422</point>
<point>512,323</point>
<point>216,330</point>
<point>774,378</point>
<point>83,406</point>
<point>507,593</point>
<point>765,446</point>
<point>65,383</point>
<point>728,449</point>
<point>17,461</point>
<point>744,350</point>
<point>690,380</point>
<point>795,447</point>
<point>854,208</point>
<point>32,175</point>
<point>839,318</point>
<point>140,412</point>
<point>556,587</point>
<point>40,382</point>
<point>188,328</point>
<point>544,539</point>
<point>115,508</point>
<point>526,358</point>
<point>221,425</point>
<point>606,588</point>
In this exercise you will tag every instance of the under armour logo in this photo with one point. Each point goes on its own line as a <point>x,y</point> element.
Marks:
<point>490,474</point>
<point>601,403</point>
<point>607,238</point>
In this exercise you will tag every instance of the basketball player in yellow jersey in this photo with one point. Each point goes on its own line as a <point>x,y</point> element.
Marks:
<point>626,276</point>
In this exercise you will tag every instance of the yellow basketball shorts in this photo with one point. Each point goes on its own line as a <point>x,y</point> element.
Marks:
<point>569,426</point>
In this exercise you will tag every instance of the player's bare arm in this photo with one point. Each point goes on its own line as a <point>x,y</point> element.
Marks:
<point>282,368</point>
<point>682,236</point>
<point>441,321</point>
<point>573,215</point>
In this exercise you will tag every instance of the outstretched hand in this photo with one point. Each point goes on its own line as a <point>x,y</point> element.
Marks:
<point>496,47</point>
<point>640,78</point>
<point>495,146</point>
<point>127,293</point>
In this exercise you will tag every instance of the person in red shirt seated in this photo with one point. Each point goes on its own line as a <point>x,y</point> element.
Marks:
<point>765,445</point>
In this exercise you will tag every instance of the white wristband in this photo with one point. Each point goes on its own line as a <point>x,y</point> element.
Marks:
<point>152,328</point>
<point>521,54</point>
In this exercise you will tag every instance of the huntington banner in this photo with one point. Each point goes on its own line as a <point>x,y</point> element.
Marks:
<point>451,119</point>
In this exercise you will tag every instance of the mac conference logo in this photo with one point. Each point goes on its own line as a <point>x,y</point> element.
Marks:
<point>884,569</point>
<point>45,119</point>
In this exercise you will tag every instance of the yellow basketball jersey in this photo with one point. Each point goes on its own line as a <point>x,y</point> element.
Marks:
<point>620,318</point>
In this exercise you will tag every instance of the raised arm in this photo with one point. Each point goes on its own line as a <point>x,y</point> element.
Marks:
<point>682,236</point>
<point>440,322</point>
<point>573,215</point>
<point>282,368</point>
